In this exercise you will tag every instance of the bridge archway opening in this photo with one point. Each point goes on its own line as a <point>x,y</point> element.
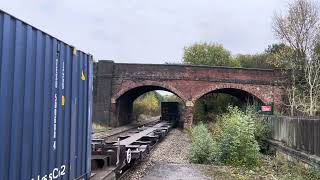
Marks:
<point>142,103</point>
<point>216,102</point>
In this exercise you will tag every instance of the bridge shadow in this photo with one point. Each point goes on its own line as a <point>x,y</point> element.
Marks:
<point>123,106</point>
<point>214,103</point>
<point>204,108</point>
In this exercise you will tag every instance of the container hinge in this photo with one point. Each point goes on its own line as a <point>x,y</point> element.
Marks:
<point>74,51</point>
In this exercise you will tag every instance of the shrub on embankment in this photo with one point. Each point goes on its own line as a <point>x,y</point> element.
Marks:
<point>232,140</point>
<point>203,147</point>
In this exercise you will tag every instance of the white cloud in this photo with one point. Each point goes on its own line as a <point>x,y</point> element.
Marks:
<point>150,31</point>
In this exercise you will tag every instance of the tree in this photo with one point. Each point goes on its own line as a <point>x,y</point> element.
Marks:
<point>275,56</point>
<point>279,55</point>
<point>312,77</point>
<point>299,29</point>
<point>208,54</point>
<point>253,61</point>
<point>275,48</point>
<point>147,104</point>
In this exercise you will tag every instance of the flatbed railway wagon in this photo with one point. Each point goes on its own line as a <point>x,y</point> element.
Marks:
<point>110,159</point>
<point>45,105</point>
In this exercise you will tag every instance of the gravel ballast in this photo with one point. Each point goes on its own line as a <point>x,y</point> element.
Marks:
<point>172,150</point>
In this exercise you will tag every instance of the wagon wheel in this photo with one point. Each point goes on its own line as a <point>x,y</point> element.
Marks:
<point>128,156</point>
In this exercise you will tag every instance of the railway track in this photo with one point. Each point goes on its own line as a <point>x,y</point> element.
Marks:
<point>113,154</point>
<point>127,131</point>
<point>101,134</point>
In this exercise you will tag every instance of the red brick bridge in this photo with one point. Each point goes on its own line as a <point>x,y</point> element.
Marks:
<point>117,85</point>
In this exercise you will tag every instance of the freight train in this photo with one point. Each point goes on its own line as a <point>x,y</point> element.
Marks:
<point>117,156</point>
<point>112,158</point>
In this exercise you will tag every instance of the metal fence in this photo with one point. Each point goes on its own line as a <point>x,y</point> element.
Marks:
<point>301,133</point>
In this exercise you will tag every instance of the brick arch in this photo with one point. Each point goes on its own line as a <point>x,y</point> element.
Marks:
<point>130,86</point>
<point>189,82</point>
<point>258,92</point>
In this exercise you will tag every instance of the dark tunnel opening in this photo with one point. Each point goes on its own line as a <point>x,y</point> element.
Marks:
<point>208,107</point>
<point>125,112</point>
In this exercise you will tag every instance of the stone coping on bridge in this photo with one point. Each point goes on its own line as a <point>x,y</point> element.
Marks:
<point>190,65</point>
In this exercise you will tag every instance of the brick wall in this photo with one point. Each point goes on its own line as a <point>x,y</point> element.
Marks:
<point>188,82</point>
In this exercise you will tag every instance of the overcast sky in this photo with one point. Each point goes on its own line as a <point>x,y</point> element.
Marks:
<point>151,31</point>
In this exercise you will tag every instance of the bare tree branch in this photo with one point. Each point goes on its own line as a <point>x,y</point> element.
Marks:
<point>300,29</point>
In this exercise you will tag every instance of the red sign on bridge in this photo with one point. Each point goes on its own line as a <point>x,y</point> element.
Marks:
<point>266,108</point>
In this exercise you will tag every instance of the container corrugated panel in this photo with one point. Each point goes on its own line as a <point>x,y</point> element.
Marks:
<point>45,105</point>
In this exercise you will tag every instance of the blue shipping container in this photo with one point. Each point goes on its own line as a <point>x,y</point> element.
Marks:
<point>45,105</point>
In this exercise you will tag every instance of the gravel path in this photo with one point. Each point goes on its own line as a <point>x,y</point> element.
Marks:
<point>168,171</point>
<point>173,149</point>
<point>165,160</point>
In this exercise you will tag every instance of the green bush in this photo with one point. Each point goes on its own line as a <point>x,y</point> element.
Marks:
<point>203,147</point>
<point>236,139</point>
<point>262,134</point>
<point>262,128</point>
<point>232,140</point>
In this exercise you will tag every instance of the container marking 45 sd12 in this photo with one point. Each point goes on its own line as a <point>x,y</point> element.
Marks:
<point>45,105</point>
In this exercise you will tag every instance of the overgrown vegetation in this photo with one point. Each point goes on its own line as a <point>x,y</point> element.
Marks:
<point>234,132</point>
<point>271,168</point>
<point>204,148</point>
<point>299,29</point>
<point>232,139</point>
<point>207,108</point>
<point>233,146</point>
<point>262,133</point>
<point>148,104</point>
